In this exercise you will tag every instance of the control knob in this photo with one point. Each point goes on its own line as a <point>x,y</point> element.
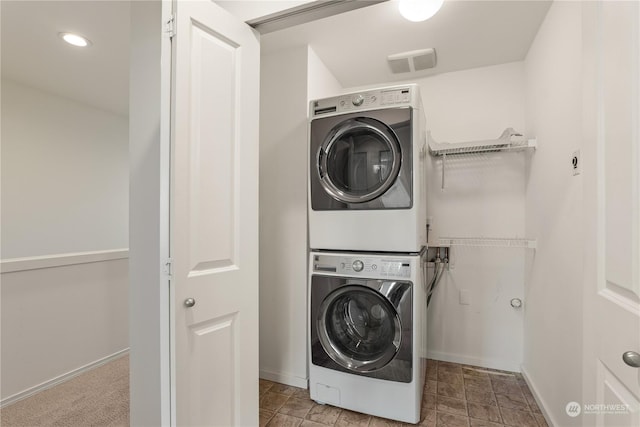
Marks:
<point>358,265</point>
<point>357,100</point>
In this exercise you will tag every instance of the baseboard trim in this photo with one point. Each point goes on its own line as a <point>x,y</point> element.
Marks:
<point>61,379</point>
<point>539,400</point>
<point>501,364</point>
<point>284,378</point>
<point>13,265</point>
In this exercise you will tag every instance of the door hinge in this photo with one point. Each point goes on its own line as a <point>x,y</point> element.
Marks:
<point>170,26</point>
<point>167,269</point>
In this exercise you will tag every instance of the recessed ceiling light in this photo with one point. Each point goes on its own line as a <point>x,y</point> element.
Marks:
<point>419,10</point>
<point>75,39</point>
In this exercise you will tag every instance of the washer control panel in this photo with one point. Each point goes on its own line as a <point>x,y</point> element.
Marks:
<point>366,100</point>
<point>363,266</point>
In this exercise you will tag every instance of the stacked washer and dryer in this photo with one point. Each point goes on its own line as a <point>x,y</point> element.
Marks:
<point>367,234</point>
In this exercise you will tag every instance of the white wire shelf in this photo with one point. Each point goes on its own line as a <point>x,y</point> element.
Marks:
<point>495,242</point>
<point>510,140</point>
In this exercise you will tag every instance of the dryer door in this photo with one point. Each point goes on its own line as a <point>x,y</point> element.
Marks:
<point>359,328</point>
<point>359,160</point>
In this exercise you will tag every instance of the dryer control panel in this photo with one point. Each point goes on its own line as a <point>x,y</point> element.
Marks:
<point>363,265</point>
<point>365,100</point>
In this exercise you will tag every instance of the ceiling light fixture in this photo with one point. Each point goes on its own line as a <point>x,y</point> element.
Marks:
<point>419,10</point>
<point>75,39</point>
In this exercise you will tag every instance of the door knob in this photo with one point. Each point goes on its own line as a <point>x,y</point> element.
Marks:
<point>631,358</point>
<point>189,302</point>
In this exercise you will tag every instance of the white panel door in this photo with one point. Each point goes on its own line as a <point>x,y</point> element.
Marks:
<point>612,196</point>
<point>214,217</point>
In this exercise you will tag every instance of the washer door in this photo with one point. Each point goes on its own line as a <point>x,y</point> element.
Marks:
<point>359,160</point>
<point>359,328</point>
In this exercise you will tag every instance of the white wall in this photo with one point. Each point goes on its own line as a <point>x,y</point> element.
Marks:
<point>64,175</point>
<point>149,151</point>
<point>64,216</point>
<point>283,229</point>
<point>288,79</point>
<point>554,290</point>
<point>483,197</point>
<point>321,83</point>
<point>56,320</point>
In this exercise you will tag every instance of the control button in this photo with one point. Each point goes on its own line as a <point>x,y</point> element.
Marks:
<point>373,98</point>
<point>342,265</point>
<point>374,267</point>
<point>342,103</point>
<point>358,265</point>
<point>358,100</point>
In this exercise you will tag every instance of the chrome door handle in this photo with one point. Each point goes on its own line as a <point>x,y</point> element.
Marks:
<point>631,358</point>
<point>189,302</point>
<point>319,165</point>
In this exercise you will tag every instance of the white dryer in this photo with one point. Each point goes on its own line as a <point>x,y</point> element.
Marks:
<point>367,187</point>
<point>367,338</point>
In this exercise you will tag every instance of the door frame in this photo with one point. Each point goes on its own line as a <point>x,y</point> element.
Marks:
<point>593,152</point>
<point>149,263</point>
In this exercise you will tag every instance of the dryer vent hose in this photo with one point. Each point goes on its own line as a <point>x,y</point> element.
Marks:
<point>439,266</point>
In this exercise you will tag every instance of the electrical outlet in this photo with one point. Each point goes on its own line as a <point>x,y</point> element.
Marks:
<point>576,163</point>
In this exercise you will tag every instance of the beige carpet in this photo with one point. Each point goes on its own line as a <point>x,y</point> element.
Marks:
<point>99,397</point>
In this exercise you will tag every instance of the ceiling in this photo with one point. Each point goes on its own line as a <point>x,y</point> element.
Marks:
<point>32,52</point>
<point>354,45</point>
<point>465,34</point>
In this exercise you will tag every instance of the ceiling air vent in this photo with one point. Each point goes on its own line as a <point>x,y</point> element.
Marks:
<point>415,60</point>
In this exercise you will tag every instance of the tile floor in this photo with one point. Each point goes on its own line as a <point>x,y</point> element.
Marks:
<point>454,396</point>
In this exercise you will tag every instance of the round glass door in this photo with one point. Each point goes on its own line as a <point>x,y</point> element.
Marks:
<point>359,328</point>
<point>359,160</point>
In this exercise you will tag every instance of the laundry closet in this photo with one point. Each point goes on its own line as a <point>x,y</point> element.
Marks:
<point>530,151</point>
<point>513,294</point>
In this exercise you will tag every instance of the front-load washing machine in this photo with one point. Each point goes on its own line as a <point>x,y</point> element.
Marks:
<point>367,188</point>
<point>367,338</point>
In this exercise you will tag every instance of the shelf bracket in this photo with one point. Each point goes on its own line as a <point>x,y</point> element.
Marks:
<point>444,162</point>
